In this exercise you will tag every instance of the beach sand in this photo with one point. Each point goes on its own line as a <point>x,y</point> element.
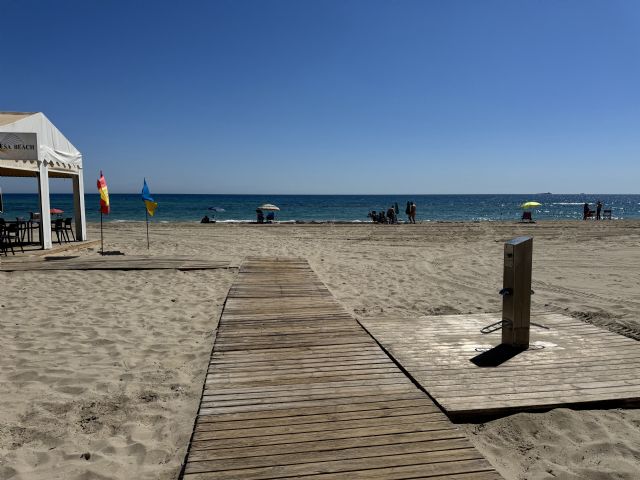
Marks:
<point>102,371</point>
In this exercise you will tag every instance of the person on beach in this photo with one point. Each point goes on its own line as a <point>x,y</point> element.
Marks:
<point>259,215</point>
<point>585,211</point>
<point>205,219</point>
<point>408,211</point>
<point>413,212</point>
<point>598,209</point>
<point>391,215</point>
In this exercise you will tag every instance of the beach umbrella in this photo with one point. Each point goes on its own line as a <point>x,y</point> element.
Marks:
<point>269,207</point>
<point>56,211</point>
<point>530,205</point>
<point>217,209</point>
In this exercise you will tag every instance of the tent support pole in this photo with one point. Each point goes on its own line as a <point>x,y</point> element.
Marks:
<point>78,207</point>
<point>45,206</point>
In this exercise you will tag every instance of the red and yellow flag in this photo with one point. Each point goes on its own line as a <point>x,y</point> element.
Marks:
<point>104,195</point>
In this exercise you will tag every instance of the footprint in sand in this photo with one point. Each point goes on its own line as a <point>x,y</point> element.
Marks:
<point>138,451</point>
<point>70,389</point>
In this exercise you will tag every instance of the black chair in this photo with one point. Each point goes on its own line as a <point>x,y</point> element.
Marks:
<point>10,236</point>
<point>58,227</point>
<point>68,228</point>
<point>23,229</point>
<point>5,240</point>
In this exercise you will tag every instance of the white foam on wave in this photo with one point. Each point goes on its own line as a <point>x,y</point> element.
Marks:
<point>568,203</point>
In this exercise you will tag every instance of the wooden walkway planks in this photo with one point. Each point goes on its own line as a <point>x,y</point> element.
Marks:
<point>570,363</point>
<point>296,388</point>
<point>112,263</point>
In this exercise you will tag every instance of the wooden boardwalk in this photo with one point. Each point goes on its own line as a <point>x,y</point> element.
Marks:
<point>570,363</point>
<point>296,388</point>
<point>120,262</point>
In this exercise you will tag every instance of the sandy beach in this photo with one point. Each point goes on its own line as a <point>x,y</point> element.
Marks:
<point>102,371</point>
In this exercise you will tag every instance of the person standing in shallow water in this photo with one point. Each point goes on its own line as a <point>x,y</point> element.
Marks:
<point>413,212</point>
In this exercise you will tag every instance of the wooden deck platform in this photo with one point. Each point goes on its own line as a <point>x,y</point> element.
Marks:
<point>34,250</point>
<point>297,388</point>
<point>120,262</point>
<point>570,364</point>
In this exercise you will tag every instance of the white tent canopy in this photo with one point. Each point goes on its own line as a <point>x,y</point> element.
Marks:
<point>32,146</point>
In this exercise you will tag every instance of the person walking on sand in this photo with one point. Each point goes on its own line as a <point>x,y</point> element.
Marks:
<point>408,211</point>
<point>598,209</point>
<point>413,212</point>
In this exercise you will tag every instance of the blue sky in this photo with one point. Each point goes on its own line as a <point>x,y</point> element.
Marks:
<point>334,96</point>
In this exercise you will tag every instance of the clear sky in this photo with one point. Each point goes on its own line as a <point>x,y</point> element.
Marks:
<point>334,96</point>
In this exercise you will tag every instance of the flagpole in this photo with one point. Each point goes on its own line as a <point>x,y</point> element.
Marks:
<point>146,215</point>
<point>101,240</point>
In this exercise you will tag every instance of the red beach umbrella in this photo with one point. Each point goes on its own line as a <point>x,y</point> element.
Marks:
<point>56,211</point>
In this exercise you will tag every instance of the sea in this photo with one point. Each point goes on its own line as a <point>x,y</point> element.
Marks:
<point>331,208</point>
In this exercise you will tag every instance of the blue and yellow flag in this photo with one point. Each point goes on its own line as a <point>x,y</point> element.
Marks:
<point>148,200</point>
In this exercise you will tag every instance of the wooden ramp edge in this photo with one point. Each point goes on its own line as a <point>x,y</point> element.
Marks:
<point>297,388</point>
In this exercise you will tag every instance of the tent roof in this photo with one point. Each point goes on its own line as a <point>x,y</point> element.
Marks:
<point>11,117</point>
<point>53,146</point>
